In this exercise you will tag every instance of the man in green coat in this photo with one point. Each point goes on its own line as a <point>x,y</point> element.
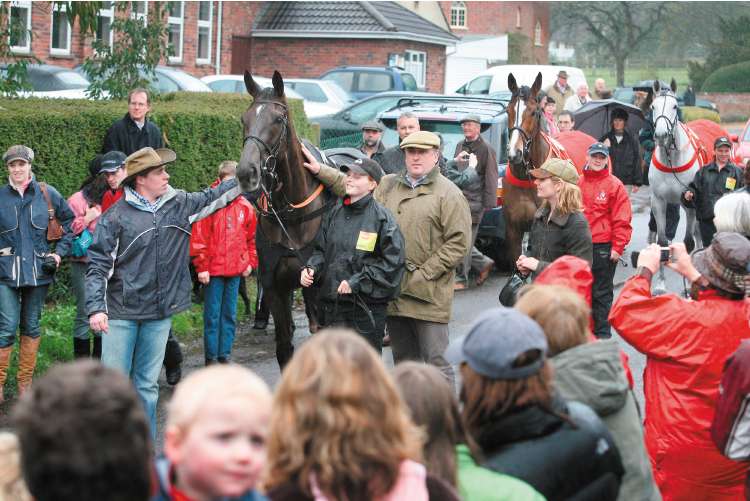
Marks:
<point>434,217</point>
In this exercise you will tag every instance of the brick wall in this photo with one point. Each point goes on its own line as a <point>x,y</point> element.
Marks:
<point>730,105</point>
<point>499,18</point>
<point>309,58</point>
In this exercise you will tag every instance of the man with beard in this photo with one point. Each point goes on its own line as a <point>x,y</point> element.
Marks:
<point>372,145</point>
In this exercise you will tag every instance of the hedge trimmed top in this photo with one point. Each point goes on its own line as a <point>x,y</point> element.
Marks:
<point>203,129</point>
<point>731,78</point>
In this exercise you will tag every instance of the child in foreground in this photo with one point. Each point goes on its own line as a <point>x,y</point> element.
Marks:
<point>215,438</point>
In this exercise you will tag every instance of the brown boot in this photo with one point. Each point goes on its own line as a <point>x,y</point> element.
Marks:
<point>4,362</point>
<point>27,362</point>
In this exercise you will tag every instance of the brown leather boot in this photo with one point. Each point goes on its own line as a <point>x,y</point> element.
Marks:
<point>27,362</point>
<point>4,362</point>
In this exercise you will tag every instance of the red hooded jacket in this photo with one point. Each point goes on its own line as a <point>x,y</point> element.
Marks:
<point>223,244</point>
<point>607,208</point>
<point>686,344</point>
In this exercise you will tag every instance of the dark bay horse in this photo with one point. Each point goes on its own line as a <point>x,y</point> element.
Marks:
<point>290,203</point>
<point>527,149</point>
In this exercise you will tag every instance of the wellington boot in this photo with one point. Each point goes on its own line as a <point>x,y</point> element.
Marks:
<point>4,362</point>
<point>81,348</point>
<point>27,362</point>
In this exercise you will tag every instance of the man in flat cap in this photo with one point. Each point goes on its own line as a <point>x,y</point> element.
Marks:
<point>560,91</point>
<point>434,217</point>
<point>372,144</point>
<point>138,275</point>
<point>474,152</point>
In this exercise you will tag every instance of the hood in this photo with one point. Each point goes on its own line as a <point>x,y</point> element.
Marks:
<point>570,271</point>
<point>592,374</point>
<point>135,202</point>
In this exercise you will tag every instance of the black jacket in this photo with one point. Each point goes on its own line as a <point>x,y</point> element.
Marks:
<point>362,244</point>
<point>709,185</point>
<point>125,136</point>
<point>393,160</point>
<point>561,461</point>
<point>562,235</point>
<point>138,262</point>
<point>378,155</point>
<point>626,158</point>
<point>484,194</point>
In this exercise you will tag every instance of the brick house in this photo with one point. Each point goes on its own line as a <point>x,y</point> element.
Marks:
<point>304,39</point>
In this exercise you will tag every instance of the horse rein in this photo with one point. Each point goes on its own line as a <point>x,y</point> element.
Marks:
<point>671,143</point>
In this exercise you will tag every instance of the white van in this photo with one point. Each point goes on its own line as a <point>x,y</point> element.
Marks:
<point>495,79</point>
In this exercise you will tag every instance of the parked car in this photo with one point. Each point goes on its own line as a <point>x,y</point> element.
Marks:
<point>442,114</point>
<point>236,84</point>
<point>323,92</point>
<point>496,78</point>
<point>167,79</point>
<point>627,95</point>
<point>51,81</point>
<point>364,81</point>
<point>342,129</point>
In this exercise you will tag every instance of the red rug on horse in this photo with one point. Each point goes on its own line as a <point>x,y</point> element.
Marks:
<point>707,131</point>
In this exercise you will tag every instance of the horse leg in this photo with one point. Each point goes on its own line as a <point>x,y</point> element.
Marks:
<point>513,238</point>
<point>659,207</point>
<point>243,296</point>
<point>310,295</point>
<point>281,309</point>
<point>691,231</point>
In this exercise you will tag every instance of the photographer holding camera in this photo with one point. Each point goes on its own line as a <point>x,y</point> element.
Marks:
<point>30,212</point>
<point>686,342</point>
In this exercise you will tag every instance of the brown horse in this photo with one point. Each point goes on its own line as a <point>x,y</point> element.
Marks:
<point>290,203</point>
<point>527,150</point>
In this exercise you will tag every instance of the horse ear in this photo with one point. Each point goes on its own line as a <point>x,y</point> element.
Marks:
<point>252,88</point>
<point>512,85</point>
<point>656,86</point>
<point>537,84</point>
<point>278,84</point>
<point>673,85</point>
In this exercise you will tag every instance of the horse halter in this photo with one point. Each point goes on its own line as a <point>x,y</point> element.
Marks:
<point>671,124</point>
<point>268,166</point>
<point>526,138</point>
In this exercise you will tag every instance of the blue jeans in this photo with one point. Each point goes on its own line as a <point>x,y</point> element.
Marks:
<point>136,348</point>
<point>220,316</point>
<point>20,305</point>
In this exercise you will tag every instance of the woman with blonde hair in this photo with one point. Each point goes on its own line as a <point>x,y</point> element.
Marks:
<point>341,431</point>
<point>559,226</point>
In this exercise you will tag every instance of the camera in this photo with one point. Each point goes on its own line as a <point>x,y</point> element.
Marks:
<point>665,257</point>
<point>49,265</point>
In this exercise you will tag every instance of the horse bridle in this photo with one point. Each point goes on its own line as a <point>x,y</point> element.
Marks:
<point>526,138</point>
<point>269,178</point>
<point>670,123</point>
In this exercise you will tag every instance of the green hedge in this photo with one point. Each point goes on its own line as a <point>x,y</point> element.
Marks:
<point>690,113</point>
<point>203,129</point>
<point>732,78</point>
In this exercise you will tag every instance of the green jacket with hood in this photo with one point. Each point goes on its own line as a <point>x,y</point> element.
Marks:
<point>476,483</point>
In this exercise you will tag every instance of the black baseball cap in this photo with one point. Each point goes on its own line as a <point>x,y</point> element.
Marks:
<point>364,166</point>
<point>112,160</point>
<point>722,141</point>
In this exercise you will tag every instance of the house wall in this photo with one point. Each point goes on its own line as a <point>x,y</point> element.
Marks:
<point>309,58</point>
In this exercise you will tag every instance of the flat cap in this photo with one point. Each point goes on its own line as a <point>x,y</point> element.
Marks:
<point>373,125</point>
<point>18,152</point>
<point>471,118</point>
<point>421,139</point>
<point>564,169</point>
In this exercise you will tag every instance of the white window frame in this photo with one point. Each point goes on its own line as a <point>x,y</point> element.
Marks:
<point>109,14</point>
<point>204,24</point>
<point>538,33</point>
<point>177,21</point>
<point>22,49</point>
<point>459,9</point>
<point>56,51</point>
<point>136,15</point>
<point>420,77</point>
<point>518,17</point>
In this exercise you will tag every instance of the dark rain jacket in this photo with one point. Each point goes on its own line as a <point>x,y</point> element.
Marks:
<point>138,262</point>
<point>378,155</point>
<point>709,185</point>
<point>562,461</point>
<point>361,243</point>
<point>393,160</point>
<point>125,136</point>
<point>625,157</point>
<point>560,235</point>
<point>483,195</point>
<point>23,234</point>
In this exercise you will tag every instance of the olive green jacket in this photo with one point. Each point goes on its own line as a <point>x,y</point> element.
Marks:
<point>435,220</point>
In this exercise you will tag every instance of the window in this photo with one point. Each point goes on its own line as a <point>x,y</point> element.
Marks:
<point>104,23</point>
<point>458,15</point>
<point>480,85</point>
<point>60,37</point>
<point>416,65</point>
<point>204,33</point>
<point>164,84</point>
<point>538,34</point>
<point>518,17</point>
<point>367,110</point>
<point>374,82</point>
<point>345,79</point>
<point>224,85</point>
<point>139,10</point>
<point>310,91</point>
<point>175,21</point>
<point>20,32</point>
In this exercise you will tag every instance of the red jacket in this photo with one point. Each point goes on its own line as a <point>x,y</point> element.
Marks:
<point>686,343</point>
<point>223,244</point>
<point>731,427</point>
<point>607,208</point>
<point>110,197</point>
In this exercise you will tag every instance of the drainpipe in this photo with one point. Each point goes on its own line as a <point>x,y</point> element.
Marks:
<point>218,42</point>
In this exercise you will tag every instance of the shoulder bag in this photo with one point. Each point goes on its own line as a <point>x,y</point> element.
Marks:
<point>54,228</point>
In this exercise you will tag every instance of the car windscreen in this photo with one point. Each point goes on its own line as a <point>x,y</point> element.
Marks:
<point>310,91</point>
<point>340,93</point>
<point>451,133</point>
<point>345,79</point>
<point>409,82</point>
<point>62,80</point>
<point>224,85</point>
<point>375,82</point>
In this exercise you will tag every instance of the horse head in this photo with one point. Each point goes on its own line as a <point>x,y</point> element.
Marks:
<point>265,130</point>
<point>664,112</point>
<point>524,116</point>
